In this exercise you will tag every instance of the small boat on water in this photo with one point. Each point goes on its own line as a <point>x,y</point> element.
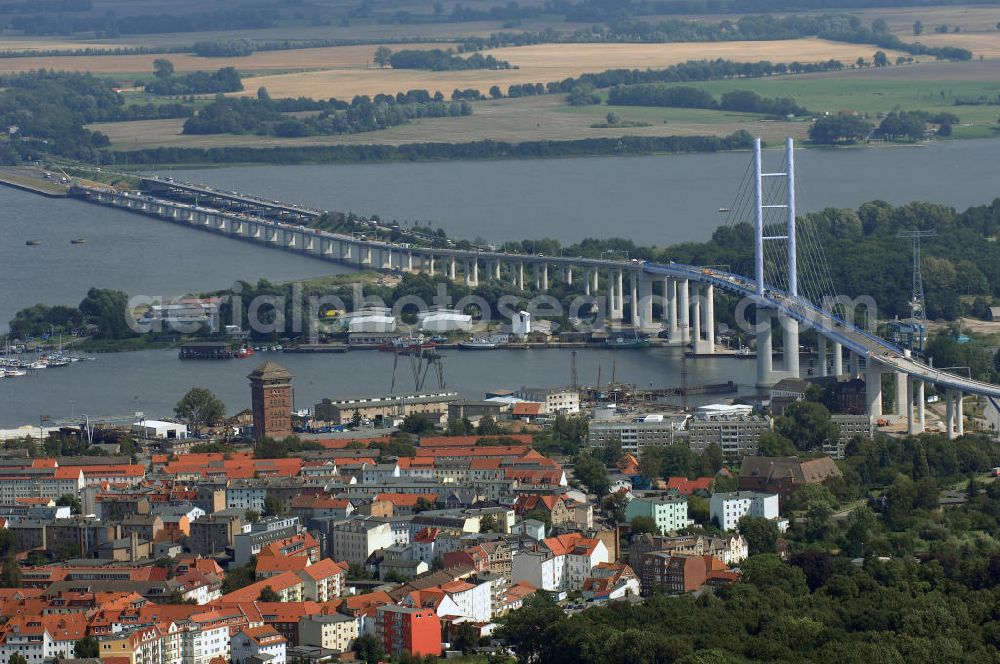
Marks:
<point>12,372</point>
<point>623,342</point>
<point>33,243</point>
<point>477,344</point>
<point>78,240</point>
<point>38,364</point>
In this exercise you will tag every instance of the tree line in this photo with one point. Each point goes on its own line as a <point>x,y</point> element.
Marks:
<point>436,60</point>
<point>835,27</point>
<point>108,24</point>
<point>263,116</point>
<point>486,149</point>
<point>658,94</point>
<point>223,80</point>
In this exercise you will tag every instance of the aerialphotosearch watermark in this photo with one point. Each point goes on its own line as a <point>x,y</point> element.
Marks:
<point>310,318</point>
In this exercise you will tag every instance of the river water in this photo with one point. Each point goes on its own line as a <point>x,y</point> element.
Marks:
<point>652,200</point>
<point>152,381</point>
<point>657,200</point>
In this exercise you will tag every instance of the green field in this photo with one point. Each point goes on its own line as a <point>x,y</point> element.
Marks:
<point>842,92</point>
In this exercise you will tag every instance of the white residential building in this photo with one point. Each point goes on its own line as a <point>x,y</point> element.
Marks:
<point>201,646</point>
<point>541,569</point>
<point>728,508</point>
<point>333,632</point>
<point>357,538</point>
<point>635,433</point>
<point>553,400</point>
<point>474,600</point>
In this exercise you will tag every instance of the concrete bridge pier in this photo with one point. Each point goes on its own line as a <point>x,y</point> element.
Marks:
<point>646,304</point>
<point>451,268</point>
<point>837,350</point>
<point>496,269</point>
<point>901,389</point>
<point>618,286</point>
<point>520,275</point>
<point>855,364</point>
<point>921,406</point>
<point>429,264</point>
<point>821,356</point>
<point>765,369</point>
<point>790,341</point>
<point>954,422</point>
<point>873,390</point>
<point>633,303</point>
<point>670,304</point>
<point>545,276</point>
<point>587,290</point>
<point>684,309</point>
<point>710,319</point>
<point>696,340</point>
<point>595,277</point>
<point>568,275</point>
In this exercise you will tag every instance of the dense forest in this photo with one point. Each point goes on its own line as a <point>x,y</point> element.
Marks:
<point>743,101</point>
<point>266,117</point>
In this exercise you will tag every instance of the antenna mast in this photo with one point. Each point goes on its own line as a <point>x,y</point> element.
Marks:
<point>918,307</point>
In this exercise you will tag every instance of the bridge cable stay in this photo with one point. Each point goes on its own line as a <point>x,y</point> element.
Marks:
<point>814,278</point>
<point>823,292</point>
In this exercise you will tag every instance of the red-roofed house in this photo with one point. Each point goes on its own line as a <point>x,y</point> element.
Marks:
<point>404,504</point>
<point>553,505</point>
<point>257,641</point>
<point>323,581</point>
<point>686,487</point>
<point>560,563</point>
<point>611,581</point>
<point>527,410</point>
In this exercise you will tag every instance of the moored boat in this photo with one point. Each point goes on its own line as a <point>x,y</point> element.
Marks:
<point>624,342</point>
<point>477,344</point>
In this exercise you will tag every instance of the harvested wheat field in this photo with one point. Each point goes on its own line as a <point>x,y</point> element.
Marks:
<point>550,62</point>
<point>41,44</point>
<point>334,57</point>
